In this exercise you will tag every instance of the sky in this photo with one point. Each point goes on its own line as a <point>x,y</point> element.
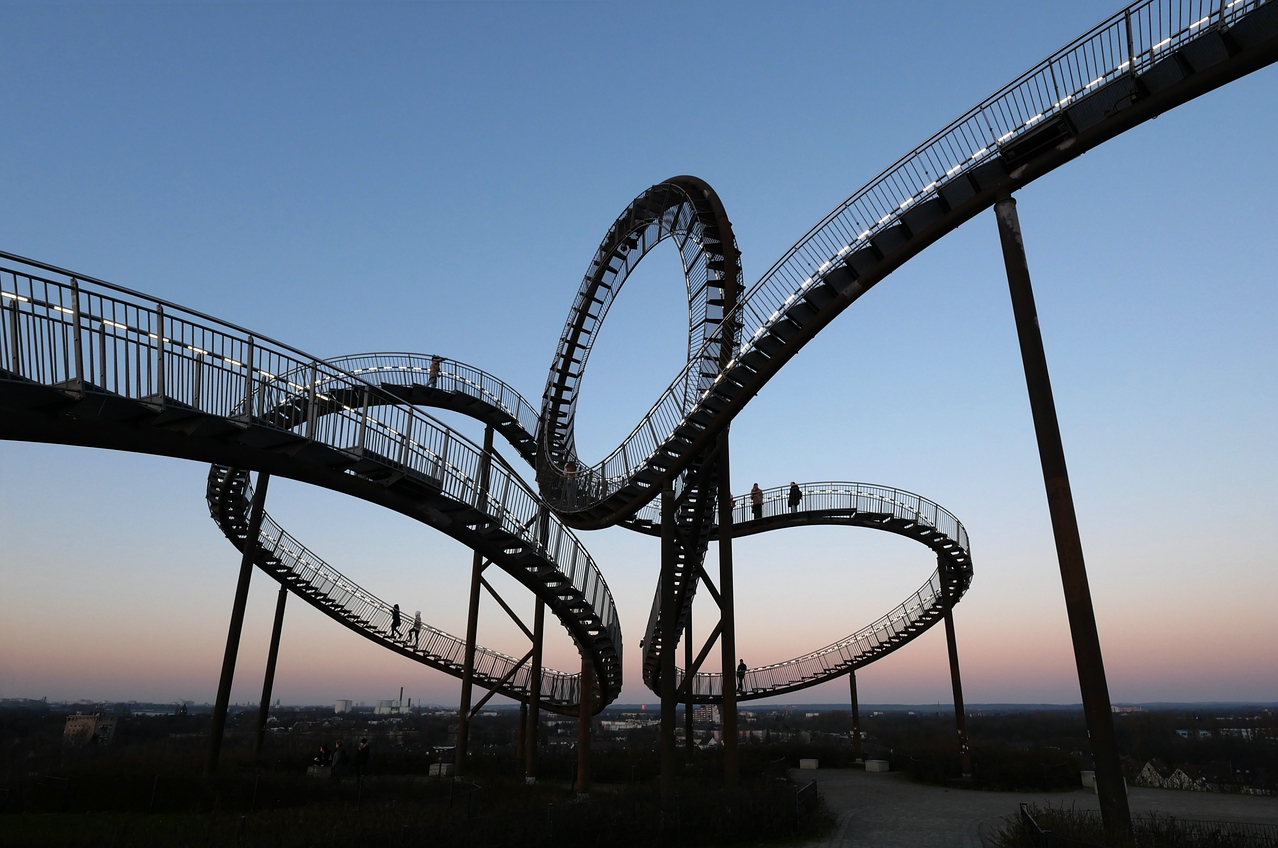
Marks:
<point>363,176</point>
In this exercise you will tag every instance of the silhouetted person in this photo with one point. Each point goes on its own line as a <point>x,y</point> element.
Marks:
<point>325,757</point>
<point>361,758</point>
<point>570,473</point>
<point>416,632</point>
<point>432,373</point>
<point>339,759</point>
<point>795,496</point>
<point>395,621</point>
<point>741,672</point>
<point>756,501</point>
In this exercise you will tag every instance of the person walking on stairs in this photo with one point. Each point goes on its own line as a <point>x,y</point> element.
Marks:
<point>741,673</point>
<point>756,501</point>
<point>795,496</point>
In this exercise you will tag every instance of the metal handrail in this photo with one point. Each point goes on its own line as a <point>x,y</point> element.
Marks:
<point>400,368</point>
<point>366,612</point>
<point>89,337</point>
<point>1125,44</point>
<point>924,606</point>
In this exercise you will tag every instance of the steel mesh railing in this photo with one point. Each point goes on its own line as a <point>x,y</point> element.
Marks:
<point>370,613</point>
<point>1127,43</point>
<point>93,337</point>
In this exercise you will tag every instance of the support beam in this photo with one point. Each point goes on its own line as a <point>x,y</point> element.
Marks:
<point>472,622</point>
<point>585,708</point>
<point>1069,547</point>
<point>534,695</point>
<point>237,623</point>
<point>521,733</point>
<point>688,744</point>
<point>264,711</point>
<point>960,715</point>
<point>691,672</point>
<point>727,615</point>
<point>496,687</point>
<point>669,638</point>
<point>856,718</point>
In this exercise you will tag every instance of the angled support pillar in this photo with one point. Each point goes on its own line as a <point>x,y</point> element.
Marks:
<point>960,715</point>
<point>585,708</point>
<point>727,615</point>
<point>264,711</point>
<point>237,624</point>
<point>856,718</point>
<point>669,637</point>
<point>1069,547</point>
<point>688,740</point>
<point>472,619</point>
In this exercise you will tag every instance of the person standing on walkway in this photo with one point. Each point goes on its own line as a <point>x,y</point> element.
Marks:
<point>795,496</point>
<point>741,673</point>
<point>756,501</point>
<point>416,632</point>
<point>395,621</point>
<point>432,373</point>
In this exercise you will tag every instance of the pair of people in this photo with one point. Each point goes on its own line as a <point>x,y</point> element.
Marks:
<point>414,632</point>
<point>756,499</point>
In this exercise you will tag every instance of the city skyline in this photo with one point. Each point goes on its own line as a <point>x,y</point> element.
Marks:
<point>264,204</point>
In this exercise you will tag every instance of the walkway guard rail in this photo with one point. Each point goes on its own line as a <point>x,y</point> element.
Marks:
<point>1128,43</point>
<point>87,335</point>
<point>835,658</point>
<point>454,376</point>
<point>365,608</point>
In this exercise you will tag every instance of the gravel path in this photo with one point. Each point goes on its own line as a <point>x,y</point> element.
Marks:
<point>885,811</point>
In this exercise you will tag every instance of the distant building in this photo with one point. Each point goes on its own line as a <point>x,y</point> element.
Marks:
<point>706,714</point>
<point>340,707</point>
<point>88,730</point>
<point>387,708</point>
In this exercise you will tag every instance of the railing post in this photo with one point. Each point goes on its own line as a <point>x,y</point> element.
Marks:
<point>15,342</point>
<point>1069,547</point>
<point>363,421</point>
<point>237,623</point>
<point>310,402</point>
<point>160,389</point>
<point>472,625</point>
<point>76,342</point>
<point>264,709</point>
<point>249,381</point>
<point>1131,43</point>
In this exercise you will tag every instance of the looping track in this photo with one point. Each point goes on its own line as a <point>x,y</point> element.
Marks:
<point>89,363</point>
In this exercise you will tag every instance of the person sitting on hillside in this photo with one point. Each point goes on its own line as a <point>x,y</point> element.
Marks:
<point>325,757</point>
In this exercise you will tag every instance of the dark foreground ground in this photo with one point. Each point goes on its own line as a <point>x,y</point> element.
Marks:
<point>887,811</point>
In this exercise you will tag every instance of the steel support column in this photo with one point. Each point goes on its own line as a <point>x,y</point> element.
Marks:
<point>960,715</point>
<point>585,706</point>
<point>264,711</point>
<point>727,615</point>
<point>472,619</point>
<point>856,717</point>
<point>237,623</point>
<point>521,732</point>
<point>669,637</point>
<point>1069,547</point>
<point>688,743</point>
<point>534,695</point>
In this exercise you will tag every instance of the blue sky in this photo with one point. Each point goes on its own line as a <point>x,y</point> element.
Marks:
<point>435,177</point>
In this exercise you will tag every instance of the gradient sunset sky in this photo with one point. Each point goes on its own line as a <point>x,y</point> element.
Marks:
<point>361,176</point>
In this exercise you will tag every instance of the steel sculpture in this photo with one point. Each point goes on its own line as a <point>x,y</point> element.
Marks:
<point>89,363</point>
